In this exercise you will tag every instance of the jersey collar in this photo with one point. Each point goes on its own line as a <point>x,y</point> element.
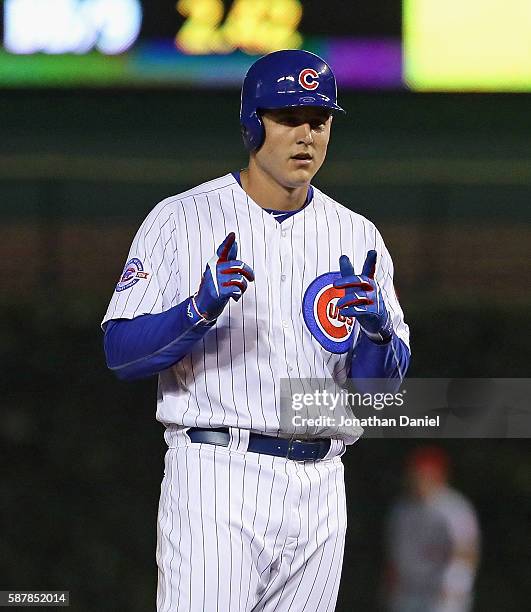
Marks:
<point>280,215</point>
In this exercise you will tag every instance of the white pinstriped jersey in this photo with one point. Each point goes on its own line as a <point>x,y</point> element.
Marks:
<point>231,377</point>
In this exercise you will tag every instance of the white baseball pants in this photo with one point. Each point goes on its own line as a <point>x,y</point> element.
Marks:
<point>241,532</point>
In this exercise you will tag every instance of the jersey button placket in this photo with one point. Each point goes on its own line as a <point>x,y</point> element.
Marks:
<point>273,267</point>
<point>286,305</point>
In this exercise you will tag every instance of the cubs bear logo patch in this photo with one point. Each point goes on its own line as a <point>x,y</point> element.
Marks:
<point>327,325</point>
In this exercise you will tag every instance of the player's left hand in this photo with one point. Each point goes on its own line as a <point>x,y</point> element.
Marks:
<point>363,298</point>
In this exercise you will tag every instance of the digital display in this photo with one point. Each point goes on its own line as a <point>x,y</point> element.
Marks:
<point>467,45</point>
<point>71,26</point>
<point>424,45</point>
<point>192,42</point>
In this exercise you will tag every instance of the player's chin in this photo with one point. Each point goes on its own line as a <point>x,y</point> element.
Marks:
<point>300,176</point>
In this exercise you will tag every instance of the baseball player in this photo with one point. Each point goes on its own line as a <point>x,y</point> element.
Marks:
<point>433,541</point>
<point>230,288</point>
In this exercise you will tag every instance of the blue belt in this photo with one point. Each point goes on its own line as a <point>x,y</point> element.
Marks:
<point>298,450</point>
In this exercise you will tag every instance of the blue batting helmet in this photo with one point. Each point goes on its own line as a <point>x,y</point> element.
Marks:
<point>282,79</point>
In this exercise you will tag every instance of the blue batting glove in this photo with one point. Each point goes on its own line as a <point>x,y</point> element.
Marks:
<point>224,277</point>
<point>363,299</point>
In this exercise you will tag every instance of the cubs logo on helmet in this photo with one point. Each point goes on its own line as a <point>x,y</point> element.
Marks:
<point>327,325</point>
<point>308,79</point>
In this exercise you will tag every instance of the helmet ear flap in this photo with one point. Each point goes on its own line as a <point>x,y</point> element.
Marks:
<point>253,132</point>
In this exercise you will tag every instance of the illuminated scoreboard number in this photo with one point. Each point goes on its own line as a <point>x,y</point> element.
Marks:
<point>71,26</point>
<point>254,26</point>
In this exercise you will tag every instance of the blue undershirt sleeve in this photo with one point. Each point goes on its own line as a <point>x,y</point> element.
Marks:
<point>388,361</point>
<point>148,344</point>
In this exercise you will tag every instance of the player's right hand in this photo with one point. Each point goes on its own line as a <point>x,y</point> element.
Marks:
<point>224,277</point>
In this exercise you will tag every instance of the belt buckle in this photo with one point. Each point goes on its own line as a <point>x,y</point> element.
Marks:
<point>312,456</point>
<point>290,449</point>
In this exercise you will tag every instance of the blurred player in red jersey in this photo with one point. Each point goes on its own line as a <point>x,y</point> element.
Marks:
<point>432,541</point>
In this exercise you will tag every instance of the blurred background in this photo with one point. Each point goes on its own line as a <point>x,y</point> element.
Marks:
<point>109,107</point>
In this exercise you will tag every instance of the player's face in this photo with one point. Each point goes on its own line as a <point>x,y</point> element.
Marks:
<point>424,481</point>
<point>295,144</point>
